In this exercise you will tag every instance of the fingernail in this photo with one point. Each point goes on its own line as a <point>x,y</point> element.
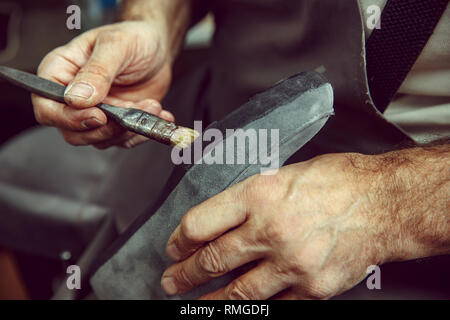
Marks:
<point>91,123</point>
<point>168,285</point>
<point>173,252</point>
<point>80,90</point>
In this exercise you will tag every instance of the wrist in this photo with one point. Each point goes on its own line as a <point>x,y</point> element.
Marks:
<point>170,18</point>
<point>411,188</point>
<point>390,184</point>
<point>371,185</point>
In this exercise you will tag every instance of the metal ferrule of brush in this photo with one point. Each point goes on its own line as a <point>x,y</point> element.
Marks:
<point>142,123</point>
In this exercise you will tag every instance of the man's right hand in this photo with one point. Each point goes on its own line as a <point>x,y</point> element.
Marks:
<point>125,64</point>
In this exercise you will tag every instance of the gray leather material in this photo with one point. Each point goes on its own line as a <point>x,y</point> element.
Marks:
<point>298,107</point>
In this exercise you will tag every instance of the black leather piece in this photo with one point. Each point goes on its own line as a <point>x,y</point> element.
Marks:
<point>132,269</point>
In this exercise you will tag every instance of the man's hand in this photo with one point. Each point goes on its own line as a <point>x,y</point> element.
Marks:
<point>312,229</point>
<point>126,64</point>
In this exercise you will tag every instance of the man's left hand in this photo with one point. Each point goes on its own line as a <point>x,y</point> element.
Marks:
<point>311,230</point>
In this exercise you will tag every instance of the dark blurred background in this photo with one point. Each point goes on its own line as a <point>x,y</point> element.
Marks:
<point>29,29</point>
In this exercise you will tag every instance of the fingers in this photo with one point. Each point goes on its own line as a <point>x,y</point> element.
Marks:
<point>111,131</point>
<point>134,141</point>
<point>207,221</point>
<point>295,294</point>
<point>213,260</point>
<point>260,283</point>
<point>117,141</point>
<point>112,134</point>
<point>51,113</point>
<point>60,66</point>
<point>288,294</point>
<point>93,81</point>
<point>166,115</point>
<point>88,65</point>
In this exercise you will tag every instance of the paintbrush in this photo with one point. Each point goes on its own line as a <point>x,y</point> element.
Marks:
<point>135,120</point>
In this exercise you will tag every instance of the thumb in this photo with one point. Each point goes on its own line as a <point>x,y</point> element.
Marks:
<point>93,81</point>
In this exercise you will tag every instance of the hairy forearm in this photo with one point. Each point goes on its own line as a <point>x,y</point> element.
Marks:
<point>416,189</point>
<point>173,17</point>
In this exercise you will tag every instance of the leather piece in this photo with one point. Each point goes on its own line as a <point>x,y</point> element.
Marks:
<point>298,107</point>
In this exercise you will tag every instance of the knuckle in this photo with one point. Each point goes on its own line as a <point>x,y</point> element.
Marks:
<point>42,116</point>
<point>68,119</point>
<point>262,188</point>
<point>69,138</point>
<point>275,234</point>
<point>188,227</point>
<point>97,69</point>
<point>127,144</point>
<point>38,115</point>
<point>48,57</point>
<point>111,35</point>
<point>318,290</point>
<point>298,266</point>
<point>284,273</point>
<point>209,261</point>
<point>308,257</point>
<point>238,290</point>
<point>107,132</point>
<point>183,278</point>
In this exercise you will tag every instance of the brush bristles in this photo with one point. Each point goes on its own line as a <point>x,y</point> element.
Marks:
<point>183,137</point>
